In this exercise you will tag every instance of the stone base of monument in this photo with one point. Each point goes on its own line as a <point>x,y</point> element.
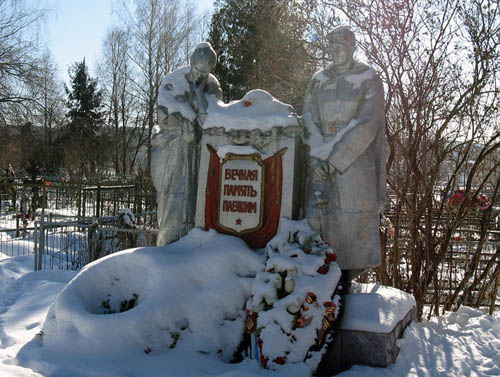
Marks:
<point>375,317</point>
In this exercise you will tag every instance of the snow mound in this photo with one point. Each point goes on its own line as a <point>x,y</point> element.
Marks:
<point>257,110</point>
<point>375,308</point>
<point>127,217</point>
<point>189,295</point>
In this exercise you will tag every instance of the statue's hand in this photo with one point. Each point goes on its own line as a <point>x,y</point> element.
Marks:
<point>319,171</point>
<point>211,88</point>
<point>188,134</point>
<point>203,85</point>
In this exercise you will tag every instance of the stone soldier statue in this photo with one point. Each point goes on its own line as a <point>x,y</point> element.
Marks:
<point>182,108</point>
<point>346,189</point>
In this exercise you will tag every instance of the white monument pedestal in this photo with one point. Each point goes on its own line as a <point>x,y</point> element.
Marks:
<point>374,318</point>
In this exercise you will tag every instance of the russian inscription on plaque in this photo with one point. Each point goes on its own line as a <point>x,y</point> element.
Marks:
<point>241,193</point>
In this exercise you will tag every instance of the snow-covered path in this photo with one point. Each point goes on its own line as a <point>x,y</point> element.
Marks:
<point>466,343</point>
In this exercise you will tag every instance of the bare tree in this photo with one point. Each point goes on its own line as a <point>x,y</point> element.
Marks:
<point>19,54</point>
<point>48,113</point>
<point>30,97</point>
<point>158,31</point>
<point>116,72</point>
<point>440,64</point>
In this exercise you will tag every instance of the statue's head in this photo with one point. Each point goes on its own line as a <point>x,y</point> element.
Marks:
<point>341,45</point>
<point>203,60</point>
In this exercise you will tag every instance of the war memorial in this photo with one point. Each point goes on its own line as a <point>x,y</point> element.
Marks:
<point>240,167</point>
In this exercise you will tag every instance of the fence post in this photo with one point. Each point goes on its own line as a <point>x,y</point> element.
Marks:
<point>44,199</point>
<point>98,201</point>
<point>494,293</point>
<point>35,236</point>
<point>136,200</point>
<point>84,201</point>
<point>91,239</point>
<point>79,200</point>
<point>41,249</point>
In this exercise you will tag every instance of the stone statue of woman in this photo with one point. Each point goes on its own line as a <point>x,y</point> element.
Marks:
<point>346,189</point>
<point>182,108</point>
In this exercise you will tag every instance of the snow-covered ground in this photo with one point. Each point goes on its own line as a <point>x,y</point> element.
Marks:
<point>77,338</point>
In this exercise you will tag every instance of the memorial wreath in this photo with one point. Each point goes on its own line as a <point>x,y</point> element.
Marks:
<point>295,301</point>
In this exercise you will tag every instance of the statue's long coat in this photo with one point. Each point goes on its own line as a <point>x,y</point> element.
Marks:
<point>175,152</point>
<point>349,108</point>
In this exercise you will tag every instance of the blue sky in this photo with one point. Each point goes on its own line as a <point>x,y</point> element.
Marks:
<point>75,29</point>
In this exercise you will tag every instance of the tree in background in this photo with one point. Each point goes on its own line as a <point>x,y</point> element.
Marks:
<point>85,143</point>
<point>230,37</point>
<point>159,32</point>
<point>25,78</point>
<point>262,44</point>
<point>19,58</point>
<point>120,100</point>
<point>48,115</point>
<point>439,62</point>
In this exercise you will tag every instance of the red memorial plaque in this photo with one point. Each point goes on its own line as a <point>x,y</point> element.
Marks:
<point>241,193</point>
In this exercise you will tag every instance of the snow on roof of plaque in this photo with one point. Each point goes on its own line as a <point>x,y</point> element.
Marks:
<point>256,110</point>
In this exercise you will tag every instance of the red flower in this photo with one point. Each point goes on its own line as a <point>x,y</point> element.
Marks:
<point>263,361</point>
<point>303,321</point>
<point>482,202</point>
<point>456,199</point>
<point>330,257</point>
<point>324,269</point>
<point>329,304</point>
<point>310,297</point>
<point>280,360</point>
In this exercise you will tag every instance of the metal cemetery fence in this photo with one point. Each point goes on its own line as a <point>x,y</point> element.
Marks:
<point>16,242</point>
<point>86,199</point>
<point>73,205</point>
<point>468,274</point>
<point>73,244</point>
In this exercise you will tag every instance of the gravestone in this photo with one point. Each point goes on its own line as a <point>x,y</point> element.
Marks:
<point>250,167</point>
